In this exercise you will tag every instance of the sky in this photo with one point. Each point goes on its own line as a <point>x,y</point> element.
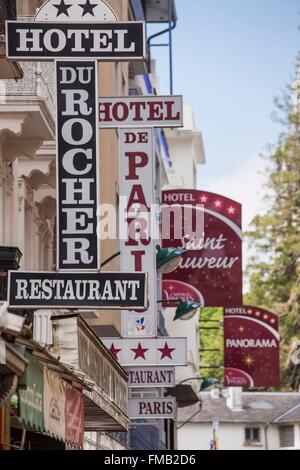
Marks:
<point>231,59</point>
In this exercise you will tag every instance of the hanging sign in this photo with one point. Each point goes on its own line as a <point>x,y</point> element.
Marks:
<point>74,416</point>
<point>252,343</point>
<point>148,352</point>
<point>211,270</point>
<point>112,291</point>
<point>152,408</point>
<point>137,242</point>
<point>54,405</point>
<point>77,170</point>
<point>141,111</point>
<point>57,40</point>
<point>151,377</point>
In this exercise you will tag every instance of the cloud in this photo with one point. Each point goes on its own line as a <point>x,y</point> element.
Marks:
<point>244,185</point>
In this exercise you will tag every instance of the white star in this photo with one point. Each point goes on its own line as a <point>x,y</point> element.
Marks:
<point>231,210</point>
<point>218,203</point>
<point>204,199</point>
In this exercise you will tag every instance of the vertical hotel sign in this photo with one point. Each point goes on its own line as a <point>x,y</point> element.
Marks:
<point>77,148</point>
<point>136,117</point>
<point>138,252</point>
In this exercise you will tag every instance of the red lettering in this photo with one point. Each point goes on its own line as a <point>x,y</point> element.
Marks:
<point>169,116</point>
<point>137,196</point>
<point>124,110</point>
<point>136,160</point>
<point>137,107</point>
<point>155,111</point>
<point>104,112</point>
<point>138,257</point>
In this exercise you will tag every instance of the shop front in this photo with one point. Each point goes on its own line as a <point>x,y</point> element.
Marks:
<point>106,396</point>
<point>49,411</point>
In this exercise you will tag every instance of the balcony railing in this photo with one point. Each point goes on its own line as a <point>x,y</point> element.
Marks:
<point>38,82</point>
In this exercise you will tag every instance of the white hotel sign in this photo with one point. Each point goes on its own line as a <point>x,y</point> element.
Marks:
<point>140,111</point>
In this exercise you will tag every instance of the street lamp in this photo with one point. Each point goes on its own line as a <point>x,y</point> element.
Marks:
<point>167,259</point>
<point>185,310</point>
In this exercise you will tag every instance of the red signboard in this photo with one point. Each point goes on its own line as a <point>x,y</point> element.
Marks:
<point>211,270</point>
<point>252,343</point>
<point>74,416</point>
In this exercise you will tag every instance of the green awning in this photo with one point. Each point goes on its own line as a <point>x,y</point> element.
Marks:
<point>31,400</point>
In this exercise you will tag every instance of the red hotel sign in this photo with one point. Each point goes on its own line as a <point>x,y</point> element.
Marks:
<point>252,344</point>
<point>211,270</point>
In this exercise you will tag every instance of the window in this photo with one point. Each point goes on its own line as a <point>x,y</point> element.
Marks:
<point>252,436</point>
<point>287,436</point>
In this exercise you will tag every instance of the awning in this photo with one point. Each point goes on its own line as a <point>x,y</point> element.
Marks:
<point>105,396</point>
<point>50,405</point>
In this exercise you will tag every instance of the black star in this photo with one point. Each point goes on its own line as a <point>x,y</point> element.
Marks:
<point>88,8</point>
<point>62,8</point>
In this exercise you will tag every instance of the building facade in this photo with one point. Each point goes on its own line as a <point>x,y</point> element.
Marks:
<point>55,349</point>
<point>259,421</point>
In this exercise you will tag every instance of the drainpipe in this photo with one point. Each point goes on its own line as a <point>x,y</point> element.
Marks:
<point>266,436</point>
<point>172,26</point>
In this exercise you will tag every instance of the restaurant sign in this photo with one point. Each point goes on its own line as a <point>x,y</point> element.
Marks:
<point>148,352</point>
<point>152,408</point>
<point>113,291</point>
<point>151,377</point>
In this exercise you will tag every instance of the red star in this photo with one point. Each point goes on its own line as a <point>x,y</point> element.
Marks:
<point>139,352</point>
<point>166,352</point>
<point>114,351</point>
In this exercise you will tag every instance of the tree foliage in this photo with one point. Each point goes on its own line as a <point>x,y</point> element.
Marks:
<point>274,237</point>
<point>211,340</point>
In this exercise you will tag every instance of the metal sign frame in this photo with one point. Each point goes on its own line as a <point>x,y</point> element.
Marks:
<point>14,276</point>
<point>76,25</point>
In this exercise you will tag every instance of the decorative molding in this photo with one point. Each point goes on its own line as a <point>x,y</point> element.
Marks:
<point>6,177</point>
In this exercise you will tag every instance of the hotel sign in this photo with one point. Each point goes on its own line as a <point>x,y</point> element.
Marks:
<point>74,40</point>
<point>77,168</point>
<point>151,377</point>
<point>141,111</point>
<point>112,291</point>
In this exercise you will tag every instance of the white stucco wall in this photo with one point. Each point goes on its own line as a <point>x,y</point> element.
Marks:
<point>195,436</point>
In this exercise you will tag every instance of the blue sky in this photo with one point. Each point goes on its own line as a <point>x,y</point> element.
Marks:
<point>231,58</point>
